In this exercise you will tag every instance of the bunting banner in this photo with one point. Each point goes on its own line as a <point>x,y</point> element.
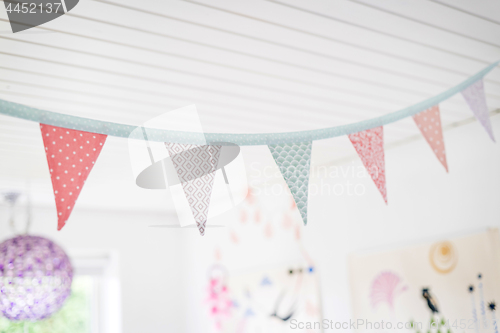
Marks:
<point>241,139</point>
<point>369,145</point>
<point>294,162</point>
<point>195,166</point>
<point>475,97</point>
<point>73,144</point>
<point>71,155</point>
<point>429,123</point>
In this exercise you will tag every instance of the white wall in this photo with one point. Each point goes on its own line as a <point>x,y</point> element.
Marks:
<point>150,271</point>
<point>424,203</point>
<point>163,271</point>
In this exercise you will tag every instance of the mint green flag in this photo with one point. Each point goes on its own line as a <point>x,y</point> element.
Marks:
<point>294,162</point>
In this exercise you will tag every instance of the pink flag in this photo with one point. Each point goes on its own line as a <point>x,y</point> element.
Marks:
<point>474,96</point>
<point>195,166</point>
<point>429,123</point>
<point>369,145</point>
<point>71,155</point>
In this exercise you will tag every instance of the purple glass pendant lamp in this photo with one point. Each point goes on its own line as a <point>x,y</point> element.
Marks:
<point>35,277</point>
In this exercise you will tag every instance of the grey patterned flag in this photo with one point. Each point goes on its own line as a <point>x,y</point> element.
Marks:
<point>195,166</point>
<point>294,162</point>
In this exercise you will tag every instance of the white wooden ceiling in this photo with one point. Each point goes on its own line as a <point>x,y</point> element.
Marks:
<point>249,66</point>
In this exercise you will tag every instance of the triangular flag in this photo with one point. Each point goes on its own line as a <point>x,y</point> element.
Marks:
<point>474,96</point>
<point>294,162</point>
<point>369,145</point>
<point>429,123</point>
<point>195,166</point>
<point>71,154</point>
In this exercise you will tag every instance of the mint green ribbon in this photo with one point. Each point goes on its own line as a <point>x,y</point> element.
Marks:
<point>249,139</point>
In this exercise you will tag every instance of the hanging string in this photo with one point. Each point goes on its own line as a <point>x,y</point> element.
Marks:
<point>248,139</point>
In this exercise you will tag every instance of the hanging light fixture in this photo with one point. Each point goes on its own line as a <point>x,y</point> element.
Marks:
<point>35,276</point>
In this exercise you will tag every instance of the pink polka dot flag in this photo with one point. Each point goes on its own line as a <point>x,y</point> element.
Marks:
<point>369,145</point>
<point>429,123</point>
<point>71,155</point>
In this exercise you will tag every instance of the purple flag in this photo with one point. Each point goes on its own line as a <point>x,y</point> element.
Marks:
<point>474,95</point>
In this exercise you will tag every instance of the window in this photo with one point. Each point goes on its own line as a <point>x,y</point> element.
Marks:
<point>94,303</point>
<point>74,316</point>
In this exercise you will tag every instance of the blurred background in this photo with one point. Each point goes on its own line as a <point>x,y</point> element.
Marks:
<point>250,67</point>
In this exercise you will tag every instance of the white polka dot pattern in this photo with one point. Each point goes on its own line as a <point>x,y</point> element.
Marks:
<point>71,155</point>
<point>429,123</point>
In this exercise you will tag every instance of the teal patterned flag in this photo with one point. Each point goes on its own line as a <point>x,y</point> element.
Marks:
<point>294,162</point>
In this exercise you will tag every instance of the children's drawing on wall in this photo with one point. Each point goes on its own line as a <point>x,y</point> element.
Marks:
<point>436,287</point>
<point>443,257</point>
<point>386,287</point>
<point>492,307</point>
